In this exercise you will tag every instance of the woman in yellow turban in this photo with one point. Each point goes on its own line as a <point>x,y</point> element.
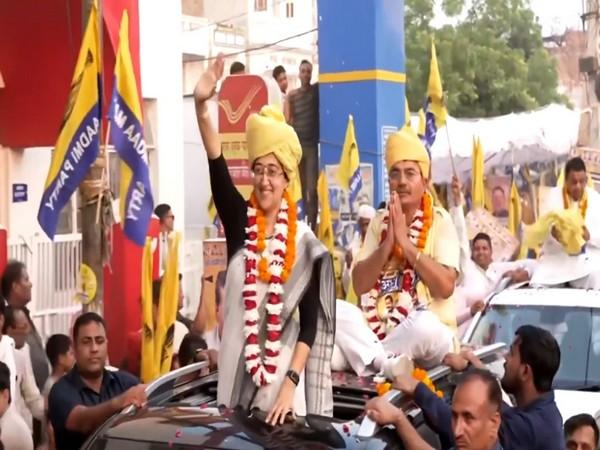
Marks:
<point>279,307</point>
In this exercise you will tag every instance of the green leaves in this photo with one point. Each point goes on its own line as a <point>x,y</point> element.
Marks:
<point>492,61</point>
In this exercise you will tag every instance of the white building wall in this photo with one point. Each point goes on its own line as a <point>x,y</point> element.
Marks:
<point>161,69</point>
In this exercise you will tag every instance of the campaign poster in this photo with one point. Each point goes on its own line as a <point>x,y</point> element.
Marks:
<point>213,279</point>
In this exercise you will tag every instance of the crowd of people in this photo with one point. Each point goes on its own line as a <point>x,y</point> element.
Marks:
<point>417,279</point>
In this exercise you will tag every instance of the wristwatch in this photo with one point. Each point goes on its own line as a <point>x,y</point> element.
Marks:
<point>293,375</point>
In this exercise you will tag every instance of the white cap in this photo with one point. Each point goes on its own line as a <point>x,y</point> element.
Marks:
<point>366,212</point>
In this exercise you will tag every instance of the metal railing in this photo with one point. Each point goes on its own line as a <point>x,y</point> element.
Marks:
<point>53,269</point>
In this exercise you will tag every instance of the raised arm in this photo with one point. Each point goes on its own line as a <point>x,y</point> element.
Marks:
<point>204,90</point>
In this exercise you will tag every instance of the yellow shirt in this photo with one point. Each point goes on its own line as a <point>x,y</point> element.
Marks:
<point>442,245</point>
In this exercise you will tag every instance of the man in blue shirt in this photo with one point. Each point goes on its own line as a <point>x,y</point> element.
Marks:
<point>475,414</point>
<point>89,394</point>
<point>535,423</point>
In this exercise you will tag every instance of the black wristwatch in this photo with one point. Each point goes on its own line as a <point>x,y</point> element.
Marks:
<point>293,375</point>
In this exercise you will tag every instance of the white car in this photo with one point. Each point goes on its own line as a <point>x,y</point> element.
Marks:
<point>573,318</point>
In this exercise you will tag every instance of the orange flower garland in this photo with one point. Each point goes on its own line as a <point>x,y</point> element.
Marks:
<point>417,233</point>
<point>583,204</point>
<point>290,254</point>
<point>417,374</point>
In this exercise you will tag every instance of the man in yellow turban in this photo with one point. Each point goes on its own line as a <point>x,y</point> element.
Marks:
<point>278,325</point>
<point>568,256</point>
<point>406,272</point>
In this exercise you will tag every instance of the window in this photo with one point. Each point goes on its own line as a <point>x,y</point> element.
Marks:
<point>260,5</point>
<point>289,10</point>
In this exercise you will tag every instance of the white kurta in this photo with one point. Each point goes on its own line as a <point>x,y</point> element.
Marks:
<point>555,265</point>
<point>28,399</point>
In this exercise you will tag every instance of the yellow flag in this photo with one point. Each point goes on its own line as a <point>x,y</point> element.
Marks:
<point>514,210</point>
<point>406,113</point>
<point>348,174</point>
<point>167,309</point>
<point>435,92</point>
<point>148,366</point>
<point>477,174</point>
<point>422,123</point>
<point>325,230</point>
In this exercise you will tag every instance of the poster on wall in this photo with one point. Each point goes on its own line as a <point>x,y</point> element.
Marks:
<point>342,216</point>
<point>504,244</point>
<point>213,281</point>
<point>498,191</point>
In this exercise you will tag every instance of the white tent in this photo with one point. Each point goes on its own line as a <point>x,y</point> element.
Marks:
<point>542,135</point>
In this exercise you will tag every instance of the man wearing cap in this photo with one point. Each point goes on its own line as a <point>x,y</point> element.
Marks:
<point>366,213</point>
<point>405,272</point>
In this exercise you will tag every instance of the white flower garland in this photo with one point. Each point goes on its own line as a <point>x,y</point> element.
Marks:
<point>261,367</point>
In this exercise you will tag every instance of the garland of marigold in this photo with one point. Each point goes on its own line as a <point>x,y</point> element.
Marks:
<point>417,233</point>
<point>583,204</point>
<point>290,253</point>
<point>417,374</point>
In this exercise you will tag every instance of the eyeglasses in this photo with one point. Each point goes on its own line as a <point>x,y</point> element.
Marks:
<point>270,171</point>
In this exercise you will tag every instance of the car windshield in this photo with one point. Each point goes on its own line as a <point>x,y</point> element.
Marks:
<point>577,331</point>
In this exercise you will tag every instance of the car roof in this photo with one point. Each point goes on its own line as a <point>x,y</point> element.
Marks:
<point>530,296</point>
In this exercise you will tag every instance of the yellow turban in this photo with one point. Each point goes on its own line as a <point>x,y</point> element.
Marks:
<point>267,132</point>
<point>405,145</point>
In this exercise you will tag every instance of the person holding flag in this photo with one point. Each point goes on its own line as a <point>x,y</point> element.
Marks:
<point>128,138</point>
<point>279,314</point>
<point>78,143</point>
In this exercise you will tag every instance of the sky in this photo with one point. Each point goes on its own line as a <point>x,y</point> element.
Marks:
<point>555,16</point>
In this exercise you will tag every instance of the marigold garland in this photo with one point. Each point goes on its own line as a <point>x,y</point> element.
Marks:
<point>274,267</point>
<point>417,233</point>
<point>417,374</point>
<point>583,204</point>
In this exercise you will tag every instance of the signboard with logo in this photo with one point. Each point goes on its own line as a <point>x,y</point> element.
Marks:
<point>19,192</point>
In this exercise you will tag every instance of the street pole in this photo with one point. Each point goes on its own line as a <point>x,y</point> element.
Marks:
<point>95,209</point>
<point>591,27</point>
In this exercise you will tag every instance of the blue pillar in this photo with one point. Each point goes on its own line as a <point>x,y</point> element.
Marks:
<point>362,72</point>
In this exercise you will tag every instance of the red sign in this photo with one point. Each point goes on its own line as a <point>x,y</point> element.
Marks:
<point>240,96</point>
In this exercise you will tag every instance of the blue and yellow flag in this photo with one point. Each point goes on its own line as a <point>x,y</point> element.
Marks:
<point>78,142</point>
<point>348,174</point>
<point>435,110</point>
<point>127,135</point>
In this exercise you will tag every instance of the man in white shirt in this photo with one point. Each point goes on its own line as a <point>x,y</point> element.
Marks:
<point>28,399</point>
<point>167,225</point>
<point>14,433</point>
<point>480,275</point>
<point>556,266</point>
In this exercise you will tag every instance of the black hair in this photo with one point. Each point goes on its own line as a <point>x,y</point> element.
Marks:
<point>278,70</point>
<point>161,211</point>
<point>575,164</point>
<point>482,237</point>
<point>57,345</point>
<point>5,379</point>
<point>85,319</point>
<point>306,61</point>
<point>541,352</point>
<point>12,273</point>
<point>10,313</point>
<point>382,205</point>
<point>190,345</point>
<point>221,276</point>
<point>582,420</point>
<point>494,393</point>
<point>236,67</point>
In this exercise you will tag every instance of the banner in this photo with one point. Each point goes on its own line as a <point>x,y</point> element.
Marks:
<point>78,142</point>
<point>213,281</point>
<point>127,135</point>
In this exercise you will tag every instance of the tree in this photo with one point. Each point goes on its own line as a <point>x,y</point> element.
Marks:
<point>492,60</point>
